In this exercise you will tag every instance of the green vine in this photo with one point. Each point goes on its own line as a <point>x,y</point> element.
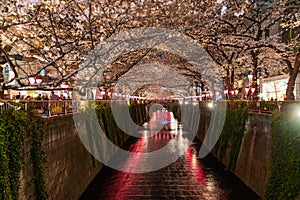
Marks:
<point>5,192</point>
<point>12,133</point>
<point>15,127</point>
<point>37,156</point>
<point>106,119</point>
<point>284,178</point>
<point>232,133</point>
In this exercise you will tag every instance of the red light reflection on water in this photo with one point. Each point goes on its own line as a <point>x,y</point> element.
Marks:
<point>186,178</point>
<point>194,166</point>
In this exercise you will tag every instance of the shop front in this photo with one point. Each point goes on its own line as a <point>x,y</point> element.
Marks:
<point>274,88</point>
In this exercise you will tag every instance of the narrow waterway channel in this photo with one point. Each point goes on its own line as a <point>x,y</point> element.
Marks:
<point>187,178</point>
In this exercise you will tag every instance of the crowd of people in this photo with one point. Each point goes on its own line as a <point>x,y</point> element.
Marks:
<point>44,97</point>
<point>46,103</point>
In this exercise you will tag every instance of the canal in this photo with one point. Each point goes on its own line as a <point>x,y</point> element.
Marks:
<point>187,178</point>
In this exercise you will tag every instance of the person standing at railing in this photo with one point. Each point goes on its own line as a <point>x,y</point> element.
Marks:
<point>39,105</point>
<point>45,97</point>
<point>18,96</point>
<point>62,97</point>
<point>53,105</point>
<point>28,98</point>
<point>45,104</point>
<point>63,104</point>
<point>53,96</point>
<point>39,97</point>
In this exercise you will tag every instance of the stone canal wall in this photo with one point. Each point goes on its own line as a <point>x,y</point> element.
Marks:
<point>254,160</point>
<point>69,167</point>
<point>253,155</point>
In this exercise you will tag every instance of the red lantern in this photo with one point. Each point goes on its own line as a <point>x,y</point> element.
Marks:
<point>31,80</point>
<point>246,90</point>
<point>39,81</point>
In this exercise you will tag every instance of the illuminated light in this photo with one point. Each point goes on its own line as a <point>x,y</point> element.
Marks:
<point>102,92</point>
<point>232,92</point>
<point>210,105</point>
<point>252,90</point>
<point>1,103</point>
<point>250,77</point>
<point>194,162</point>
<point>225,91</point>
<point>39,81</point>
<point>247,90</point>
<point>210,185</point>
<point>31,80</point>
<point>223,10</point>
<point>63,85</point>
<point>236,92</point>
<point>145,137</point>
<point>186,102</point>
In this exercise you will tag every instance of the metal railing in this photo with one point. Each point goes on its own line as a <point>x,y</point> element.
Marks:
<point>263,106</point>
<point>50,108</point>
<point>44,108</point>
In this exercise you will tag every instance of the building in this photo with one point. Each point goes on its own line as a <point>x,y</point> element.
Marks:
<point>273,88</point>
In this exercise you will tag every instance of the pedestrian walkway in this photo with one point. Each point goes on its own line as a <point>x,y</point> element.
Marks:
<point>187,178</point>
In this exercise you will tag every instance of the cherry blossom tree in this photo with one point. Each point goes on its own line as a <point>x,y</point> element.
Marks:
<point>249,36</point>
<point>56,36</point>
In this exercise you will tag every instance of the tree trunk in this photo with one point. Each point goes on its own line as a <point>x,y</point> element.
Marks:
<point>254,73</point>
<point>292,79</point>
<point>1,75</point>
<point>1,94</point>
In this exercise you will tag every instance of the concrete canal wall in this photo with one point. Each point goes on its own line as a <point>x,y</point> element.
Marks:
<point>254,160</point>
<point>69,167</point>
<point>254,155</point>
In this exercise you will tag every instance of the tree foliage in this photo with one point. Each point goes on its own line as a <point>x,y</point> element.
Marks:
<point>56,36</point>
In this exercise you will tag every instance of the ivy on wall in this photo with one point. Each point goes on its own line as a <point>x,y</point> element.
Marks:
<point>36,132</point>
<point>106,120</point>
<point>16,127</point>
<point>284,178</point>
<point>232,133</point>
